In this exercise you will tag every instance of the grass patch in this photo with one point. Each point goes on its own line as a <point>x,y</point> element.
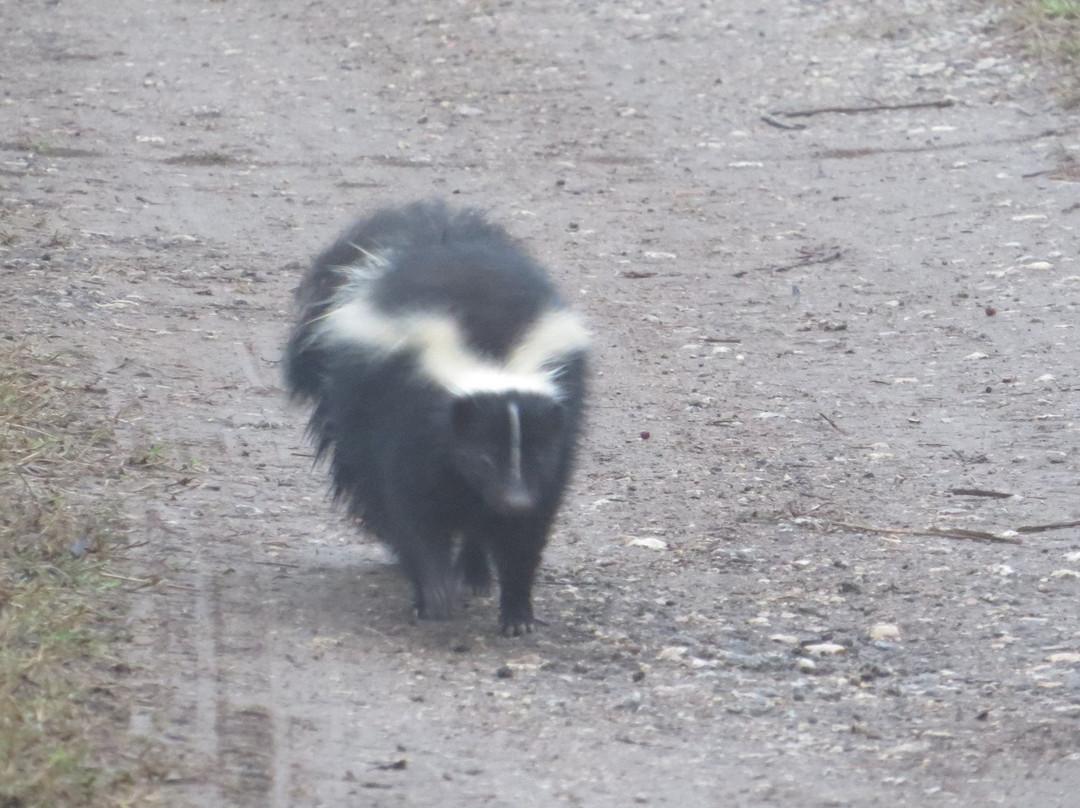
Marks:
<point>63,702</point>
<point>1061,9</point>
<point>44,148</point>
<point>1049,32</point>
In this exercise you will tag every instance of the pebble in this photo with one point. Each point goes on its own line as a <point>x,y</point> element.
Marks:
<point>786,639</point>
<point>884,632</point>
<point>672,652</point>
<point>1069,657</point>
<point>648,543</point>
<point>631,703</point>
<point>825,649</point>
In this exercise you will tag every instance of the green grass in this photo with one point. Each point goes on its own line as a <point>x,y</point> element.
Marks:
<point>63,698</point>
<point>1061,9</point>
<point>1049,30</point>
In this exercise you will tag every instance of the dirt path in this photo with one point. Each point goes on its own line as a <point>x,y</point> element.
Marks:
<point>822,321</point>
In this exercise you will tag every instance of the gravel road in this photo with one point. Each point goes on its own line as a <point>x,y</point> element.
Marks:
<point>822,545</point>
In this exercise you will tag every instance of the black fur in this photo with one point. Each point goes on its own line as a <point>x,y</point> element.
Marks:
<point>427,468</point>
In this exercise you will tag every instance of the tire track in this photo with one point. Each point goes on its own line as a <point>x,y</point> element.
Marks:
<point>245,741</point>
<point>243,722</point>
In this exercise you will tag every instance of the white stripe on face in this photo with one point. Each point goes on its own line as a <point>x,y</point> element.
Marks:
<point>515,440</point>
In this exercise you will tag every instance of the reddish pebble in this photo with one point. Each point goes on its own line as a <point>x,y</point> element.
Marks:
<point>645,435</point>
<point>990,311</point>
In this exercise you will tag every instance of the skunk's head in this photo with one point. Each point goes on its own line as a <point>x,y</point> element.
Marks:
<point>510,449</point>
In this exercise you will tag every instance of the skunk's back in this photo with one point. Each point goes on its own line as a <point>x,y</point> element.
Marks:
<point>450,287</point>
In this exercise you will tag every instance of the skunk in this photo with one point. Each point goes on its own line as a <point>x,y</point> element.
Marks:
<point>447,379</point>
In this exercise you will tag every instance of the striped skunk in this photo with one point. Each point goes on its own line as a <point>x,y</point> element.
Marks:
<point>447,379</point>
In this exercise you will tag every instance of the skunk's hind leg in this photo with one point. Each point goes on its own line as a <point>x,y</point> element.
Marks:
<point>473,566</point>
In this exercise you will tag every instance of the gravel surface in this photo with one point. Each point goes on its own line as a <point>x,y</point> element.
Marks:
<point>822,546</point>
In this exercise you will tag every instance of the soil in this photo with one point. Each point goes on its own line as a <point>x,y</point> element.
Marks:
<point>828,249</point>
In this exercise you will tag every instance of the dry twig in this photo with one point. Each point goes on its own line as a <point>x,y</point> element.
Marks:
<point>832,423</point>
<point>979,492</point>
<point>1050,526</point>
<point>946,533</point>
<point>806,113</point>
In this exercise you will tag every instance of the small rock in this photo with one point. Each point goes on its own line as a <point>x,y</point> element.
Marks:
<point>672,652</point>
<point>929,69</point>
<point>754,704</point>
<point>1069,657</point>
<point>786,639</point>
<point>528,662</point>
<point>648,543</point>
<point>393,765</point>
<point>825,649</point>
<point>884,631</point>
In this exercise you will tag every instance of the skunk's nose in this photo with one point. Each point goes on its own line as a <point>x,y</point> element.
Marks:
<point>516,497</point>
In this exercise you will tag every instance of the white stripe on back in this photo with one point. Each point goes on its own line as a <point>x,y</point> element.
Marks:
<point>532,365</point>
